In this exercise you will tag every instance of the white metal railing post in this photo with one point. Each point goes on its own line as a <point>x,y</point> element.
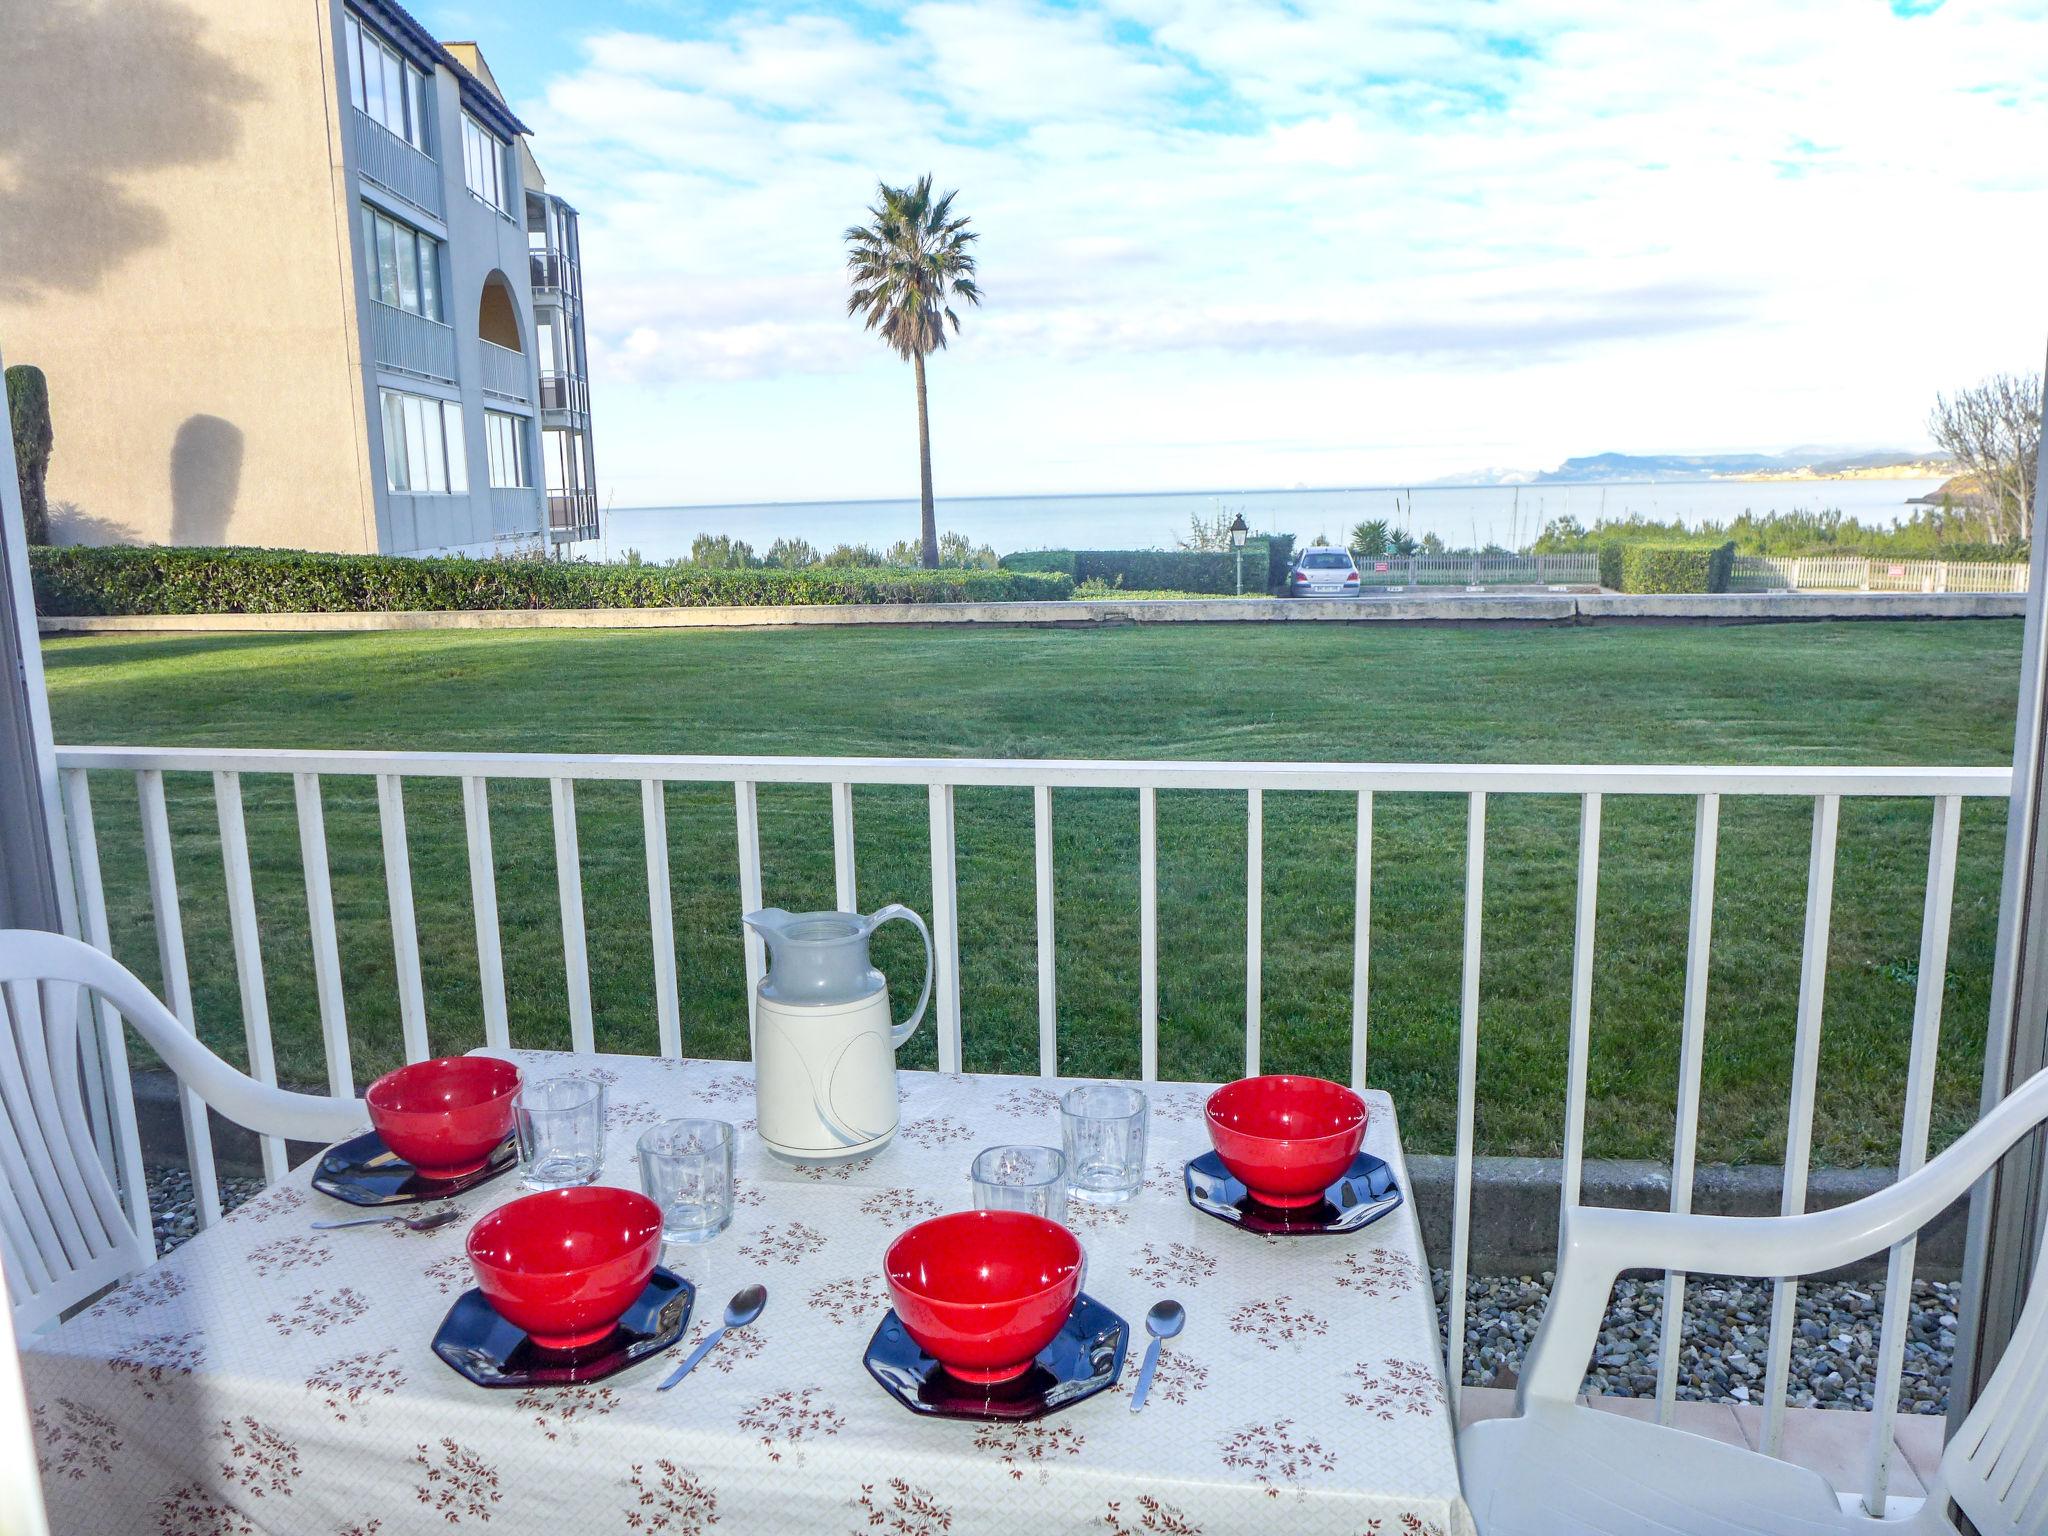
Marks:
<point>1148,933</point>
<point>170,950</point>
<point>1581,1033</point>
<point>92,918</point>
<point>1919,1113</point>
<point>569,885</point>
<point>1048,981</point>
<point>248,947</point>
<point>405,932</point>
<point>1813,975</point>
<point>747,818</point>
<point>1361,940</point>
<point>1254,922</point>
<point>661,918</point>
<point>946,924</point>
<point>845,884</point>
<point>483,901</point>
<point>1468,1080</point>
<point>1699,944</point>
<point>321,935</point>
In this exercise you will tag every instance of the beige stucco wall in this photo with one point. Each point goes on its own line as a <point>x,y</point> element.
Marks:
<point>171,255</point>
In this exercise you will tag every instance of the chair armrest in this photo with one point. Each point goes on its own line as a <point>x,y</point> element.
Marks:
<point>1598,1242</point>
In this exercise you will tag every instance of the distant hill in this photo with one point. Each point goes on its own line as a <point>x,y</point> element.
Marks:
<point>1719,466</point>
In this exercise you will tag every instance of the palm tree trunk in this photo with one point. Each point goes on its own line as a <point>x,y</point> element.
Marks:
<point>928,539</point>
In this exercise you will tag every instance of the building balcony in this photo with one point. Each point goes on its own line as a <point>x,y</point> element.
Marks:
<point>551,270</point>
<point>572,515</point>
<point>564,392</point>
<point>515,510</point>
<point>391,163</point>
<point>505,373</point>
<point>413,344</point>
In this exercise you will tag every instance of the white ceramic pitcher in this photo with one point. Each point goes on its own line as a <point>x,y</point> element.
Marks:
<point>824,1044</point>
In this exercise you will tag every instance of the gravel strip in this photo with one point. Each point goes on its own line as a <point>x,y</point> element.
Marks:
<point>175,1213</point>
<point>1723,1359</point>
<point>1724,1350</point>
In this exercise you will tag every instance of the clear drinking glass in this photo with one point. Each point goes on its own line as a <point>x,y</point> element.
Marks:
<point>1103,1128</point>
<point>686,1169</point>
<point>1032,1179</point>
<point>560,1121</point>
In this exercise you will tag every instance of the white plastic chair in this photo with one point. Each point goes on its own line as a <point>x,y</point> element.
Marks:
<point>1559,1469</point>
<point>63,1232</point>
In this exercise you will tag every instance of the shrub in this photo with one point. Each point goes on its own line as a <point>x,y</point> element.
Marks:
<point>865,556</point>
<point>1721,567</point>
<point>1667,568</point>
<point>721,552</point>
<point>1610,564</point>
<point>1205,571</point>
<point>1060,560</point>
<point>1279,560</point>
<point>119,580</point>
<point>28,415</point>
<point>790,554</point>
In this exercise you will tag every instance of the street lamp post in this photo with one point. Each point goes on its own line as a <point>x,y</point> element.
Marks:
<point>1238,530</point>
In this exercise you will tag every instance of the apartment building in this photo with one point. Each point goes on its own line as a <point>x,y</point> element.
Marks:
<point>343,312</point>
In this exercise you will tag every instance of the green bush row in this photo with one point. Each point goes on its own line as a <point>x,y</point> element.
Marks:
<point>1161,570</point>
<point>1672,568</point>
<point>120,580</point>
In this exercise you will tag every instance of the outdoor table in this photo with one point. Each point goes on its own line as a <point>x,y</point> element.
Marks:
<point>266,1377</point>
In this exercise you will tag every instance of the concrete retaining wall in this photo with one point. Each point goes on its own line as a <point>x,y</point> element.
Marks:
<point>1514,1199</point>
<point>1441,608</point>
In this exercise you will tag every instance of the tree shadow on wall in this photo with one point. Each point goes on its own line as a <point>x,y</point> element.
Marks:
<point>123,88</point>
<point>206,476</point>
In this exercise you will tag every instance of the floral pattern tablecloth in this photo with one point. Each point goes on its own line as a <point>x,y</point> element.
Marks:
<point>269,1378</point>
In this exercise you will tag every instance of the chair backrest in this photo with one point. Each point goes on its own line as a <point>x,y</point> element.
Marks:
<point>1996,1466</point>
<point>63,1233</point>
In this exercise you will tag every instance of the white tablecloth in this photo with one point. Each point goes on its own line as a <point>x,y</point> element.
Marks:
<point>266,1377</point>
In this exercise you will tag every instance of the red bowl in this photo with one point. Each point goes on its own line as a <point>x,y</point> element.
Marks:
<point>982,1292</point>
<point>445,1116</point>
<point>565,1263</point>
<point>1286,1139</point>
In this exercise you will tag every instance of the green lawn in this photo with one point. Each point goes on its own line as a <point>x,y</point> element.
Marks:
<point>1925,693</point>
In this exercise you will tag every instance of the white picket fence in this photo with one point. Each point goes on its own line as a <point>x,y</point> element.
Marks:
<point>1044,781</point>
<point>1841,573</point>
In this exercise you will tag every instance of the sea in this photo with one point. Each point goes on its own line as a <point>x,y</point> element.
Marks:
<point>1463,516</point>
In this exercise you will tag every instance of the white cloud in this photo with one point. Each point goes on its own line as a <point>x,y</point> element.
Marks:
<point>1495,232</point>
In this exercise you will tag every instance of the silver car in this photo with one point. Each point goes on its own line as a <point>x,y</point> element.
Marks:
<point>1323,572</point>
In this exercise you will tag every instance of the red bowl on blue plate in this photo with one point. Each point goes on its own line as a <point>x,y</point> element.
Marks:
<point>565,1264</point>
<point>445,1116</point>
<point>1286,1139</point>
<point>982,1292</point>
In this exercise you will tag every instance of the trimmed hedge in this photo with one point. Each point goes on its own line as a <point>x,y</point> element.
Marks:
<point>1205,571</point>
<point>1675,568</point>
<point>1610,564</point>
<point>122,580</point>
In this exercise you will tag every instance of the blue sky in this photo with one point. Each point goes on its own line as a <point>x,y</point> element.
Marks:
<point>1234,243</point>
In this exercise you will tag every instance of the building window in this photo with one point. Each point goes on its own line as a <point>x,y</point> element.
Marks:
<point>403,265</point>
<point>423,445</point>
<point>505,442</point>
<point>383,85</point>
<point>483,163</point>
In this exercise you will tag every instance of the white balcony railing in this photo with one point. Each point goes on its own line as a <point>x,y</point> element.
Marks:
<point>384,158</point>
<point>505,372</point>
<point>1045,781</point>
<point>1854,573</point>
<point>410,343</point>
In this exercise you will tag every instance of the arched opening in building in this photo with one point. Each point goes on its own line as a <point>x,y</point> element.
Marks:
<point>497,314</point>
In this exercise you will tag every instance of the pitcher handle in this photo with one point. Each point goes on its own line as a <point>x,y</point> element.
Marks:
<point>899,1033</point>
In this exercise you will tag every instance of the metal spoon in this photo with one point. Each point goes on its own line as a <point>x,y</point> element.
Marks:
<point>745,1306</point>
<point>1166,1319</point>
<point>412,1223</point>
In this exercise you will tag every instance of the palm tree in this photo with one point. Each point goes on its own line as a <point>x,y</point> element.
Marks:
<point>907,266</point>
